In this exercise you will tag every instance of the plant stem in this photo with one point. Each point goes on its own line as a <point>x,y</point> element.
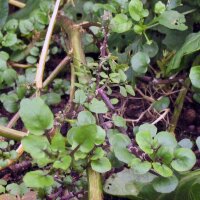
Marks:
<point>11,133</point>
<point>42,61</point>
<point>95,185</point>
<point>178,106</point>
<point>18,65</point>
<point>56,71</point>
<point>17,3</point>
<point>74,33</point>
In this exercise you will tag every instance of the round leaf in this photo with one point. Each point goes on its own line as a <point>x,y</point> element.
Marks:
<point>186,143</point>
<point>195,76</point>
<point>140,167</point>
<point>86,118</point>
<point>120,23</point>
<point>163,170</point>
<point>166,139</point>
<point>36,115</point>
<point>101,165</point>
<point>148,127</point>
<point>144,140</point>
<point>38,179</point>
<point>184,160</point>
<point>165,185</point>
<point>139,62</point>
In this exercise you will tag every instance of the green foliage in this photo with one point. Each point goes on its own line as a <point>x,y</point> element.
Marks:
<point>38,118</point>
<point>38,179</point>
<point>137,38</point>
<point>98,106</point>
<point>3,13</point>
<point>139,63</point>
<point>120,23</point>
<point>137,11</point>
<point>189,46</point>
<point>161,104</point>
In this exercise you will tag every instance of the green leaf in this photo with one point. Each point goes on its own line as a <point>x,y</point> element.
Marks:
<point>58,142</point>
<point>85,118</point>
<point>3,121</point>
<point>140,167</point>
<point>97,153</point>
<point>63,164</point>
<point>173,20</point>
<point>127,184</point>
<point>36,115</point>
<point>119,140</point>
<point>130,90</point>
<point>37,146</point>
<point>165,185</point>
<point>101,165</point>
<point>4,12</point>
<point>196,97</point>
<point>186,143</point>
<point>162,169</point>
<point>3,64</point>
<point>9,39</point>
<point>98,106</point>
<point>119,121</point>
<point>30,75</point>
<point>35,51</point>
<point>120,23</point>
<point>123,91</point>
<point>80,96</point>
<point>159,7</point>
<point>31,59</point>
<point>165,154</point>
<point>3,145</point>
<point>100,136</point>
<point>140,62</point>
<point>38,179</point>
<point>148,127</point>
<point>161,104</point>
<point>166,139</point>
<point>173,4</point>
<point>2,190</point>
<point>14,189</point>
<point>25,26</point>
<point>195,76</point>
<point>198,142</point>
<point>184,160</point>
<point>190,45</point>
<point>11,25</point>
<point>51,98</point>
<point>123,155</point>
<point>79,155</point>
<point>145,141</point>
<point>83,136</point>
<point>136,10</point>
<point>150,49</point>
<point>9,76</point>
<point>41,17</point>
<point>10,102</point>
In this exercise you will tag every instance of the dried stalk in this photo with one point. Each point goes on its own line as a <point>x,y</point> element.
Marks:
<point>17,3</point>
<point>42,61</point>
<point>11,133</point>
